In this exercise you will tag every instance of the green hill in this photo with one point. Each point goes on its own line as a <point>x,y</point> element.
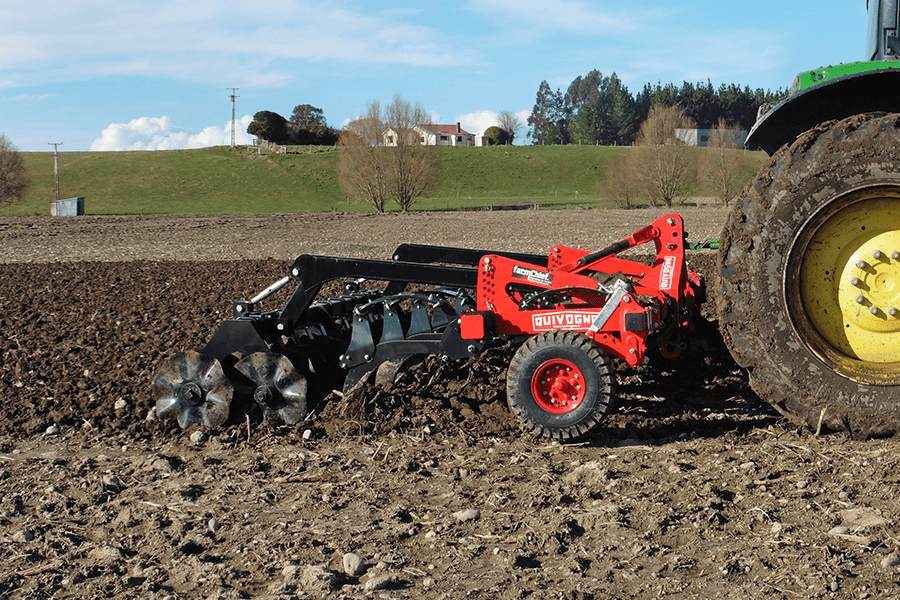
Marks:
<point>226,180</point>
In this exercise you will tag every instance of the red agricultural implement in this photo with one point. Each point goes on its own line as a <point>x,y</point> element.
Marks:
<point>565,314</point>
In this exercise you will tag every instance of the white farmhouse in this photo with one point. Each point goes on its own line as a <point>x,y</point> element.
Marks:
<point>431,135</point>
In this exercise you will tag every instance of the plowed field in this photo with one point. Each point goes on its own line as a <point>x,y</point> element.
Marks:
<point>423,488</point>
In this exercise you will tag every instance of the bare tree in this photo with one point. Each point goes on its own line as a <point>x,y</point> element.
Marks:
<point>509,122</point>
<point>363,165</point>
<point>413,162</point>
<point>13,180</point>
<point>726,162</point>
<point>664,163</point>
<point>384,155</point>
<point>621,183</point>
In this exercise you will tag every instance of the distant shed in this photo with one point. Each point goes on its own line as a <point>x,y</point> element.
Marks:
<point>70,207</point>
<point>733,138</point>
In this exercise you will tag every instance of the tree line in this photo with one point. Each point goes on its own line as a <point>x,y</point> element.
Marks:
<point>307,126</point>
<point>598,109</point>
<point>595,109</point>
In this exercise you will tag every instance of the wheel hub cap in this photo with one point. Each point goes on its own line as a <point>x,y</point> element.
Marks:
<point>191,394</point>
<point>869,287</point>
<point>558,386</point>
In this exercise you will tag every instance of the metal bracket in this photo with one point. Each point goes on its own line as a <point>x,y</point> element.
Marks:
<point>620,288</point>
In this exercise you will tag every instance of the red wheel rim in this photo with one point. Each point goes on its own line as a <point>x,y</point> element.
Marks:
<point>558,386</point>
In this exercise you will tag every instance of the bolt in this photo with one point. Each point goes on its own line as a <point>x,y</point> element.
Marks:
<point>471,349</point>
<point>877,255</point>
<point>895,254</point>
<point>280,327</point>
<point>295,272</point>
<point>239,308</point>
<point>855,281</point>
<point>670,221</point>
<point>367,357</point>
<point>860,299</point>
<point>893,311</point>
<point>861,264</point>
<point>626,299</point>
<point>873,310</point>
<point>632,351</point>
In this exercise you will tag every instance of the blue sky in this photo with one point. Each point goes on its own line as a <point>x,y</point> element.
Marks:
<point>125,74</point>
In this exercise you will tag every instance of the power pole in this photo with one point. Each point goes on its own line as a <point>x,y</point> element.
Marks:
<point>233,90</point>
<point>56,164</point>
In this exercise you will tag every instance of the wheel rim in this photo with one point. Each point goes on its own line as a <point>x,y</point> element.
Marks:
<point>558,386</point>
<point>845,301</point>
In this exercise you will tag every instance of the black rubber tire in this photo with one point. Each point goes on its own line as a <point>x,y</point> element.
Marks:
<point>564,347</point>
<point>762,309</point>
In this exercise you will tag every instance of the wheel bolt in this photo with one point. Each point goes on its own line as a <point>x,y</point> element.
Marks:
<point>855,281</point>
<point>873,310</point>
<point>895,255</point>
<point>877,254</point>
<point>861,264</point>
<point>893,311</point>
<point>860,299</point>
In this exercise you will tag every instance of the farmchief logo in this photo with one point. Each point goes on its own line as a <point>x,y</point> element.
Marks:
<point>532,275</point>
<point>564,319</point>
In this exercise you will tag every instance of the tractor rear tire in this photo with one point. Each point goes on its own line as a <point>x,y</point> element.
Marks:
<point>560,384</point>
<point>809,265</point>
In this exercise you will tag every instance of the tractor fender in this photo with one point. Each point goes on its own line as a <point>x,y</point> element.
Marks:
<point>875,90</point>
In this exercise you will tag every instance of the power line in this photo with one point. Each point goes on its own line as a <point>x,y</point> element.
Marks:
<point>233,91</point>
<point>56,146</point>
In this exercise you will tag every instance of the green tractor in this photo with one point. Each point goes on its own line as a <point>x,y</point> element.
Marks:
<point>810,256</point>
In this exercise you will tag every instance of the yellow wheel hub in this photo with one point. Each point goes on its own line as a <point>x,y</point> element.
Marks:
<point>869,296</point>
<point>848,309</point>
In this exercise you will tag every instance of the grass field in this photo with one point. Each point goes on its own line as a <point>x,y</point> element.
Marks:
<point>226,180</point>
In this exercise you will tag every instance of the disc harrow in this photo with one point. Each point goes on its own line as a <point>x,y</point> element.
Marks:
<point>566,312</point>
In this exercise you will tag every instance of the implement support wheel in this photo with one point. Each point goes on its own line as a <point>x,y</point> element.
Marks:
<point>560,384</point>
<point>810,271</point>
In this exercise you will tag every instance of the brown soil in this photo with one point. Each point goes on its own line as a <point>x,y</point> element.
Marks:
<point>693,488</point>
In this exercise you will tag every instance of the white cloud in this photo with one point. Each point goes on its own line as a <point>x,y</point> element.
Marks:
<point>568,15</point>
<point>207,41</point>
<point>476,122</point>
<point>161,133</point>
